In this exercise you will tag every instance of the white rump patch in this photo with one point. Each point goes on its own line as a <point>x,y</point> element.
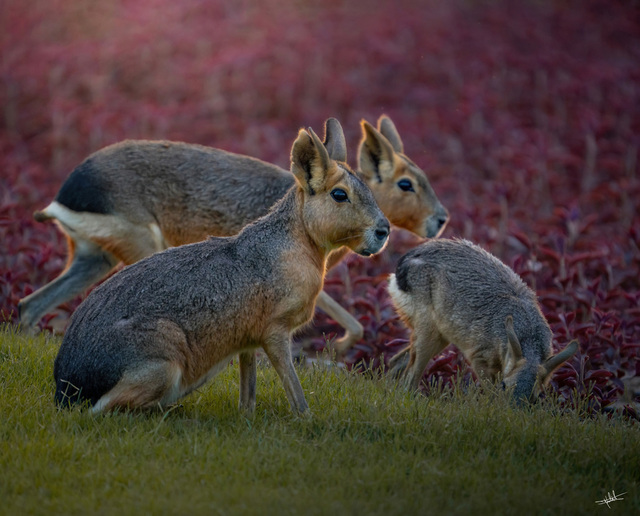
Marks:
<point>402,300</point>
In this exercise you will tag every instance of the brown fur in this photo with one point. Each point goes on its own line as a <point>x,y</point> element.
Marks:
<point>165,325</point>
<point>162,194</point>
<point>383,163</point>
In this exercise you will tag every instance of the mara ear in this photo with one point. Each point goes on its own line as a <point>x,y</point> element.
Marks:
<point>553,362</point>
<point>309,161</point>
<point>389,131</point>
<point>512,339</point>
<point>334,140</point>
<point>374,150</point>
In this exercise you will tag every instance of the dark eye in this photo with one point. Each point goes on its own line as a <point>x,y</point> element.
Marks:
<point>339,195</point>
<point>406,185</point>
<point>503,385</point>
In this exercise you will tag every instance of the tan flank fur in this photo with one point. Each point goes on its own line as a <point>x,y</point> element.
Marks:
<point>452,291</point>
<point>134,198</point>
<point>160,328</point>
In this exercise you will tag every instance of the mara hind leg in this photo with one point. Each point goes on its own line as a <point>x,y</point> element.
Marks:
<point>154,376</point>
<point>426,342</point>
<point>399,362</point>
<point>88,263</point>
<point>96,244</point>
<point>154,384</point>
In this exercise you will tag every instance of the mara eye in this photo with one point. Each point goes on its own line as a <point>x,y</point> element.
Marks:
<point>406,185</point>
<point>339,195</point>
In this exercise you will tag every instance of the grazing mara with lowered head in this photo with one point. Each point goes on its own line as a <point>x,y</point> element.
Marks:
<point>452,291</point>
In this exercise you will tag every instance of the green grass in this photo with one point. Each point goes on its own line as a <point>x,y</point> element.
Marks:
<point>367,449</point>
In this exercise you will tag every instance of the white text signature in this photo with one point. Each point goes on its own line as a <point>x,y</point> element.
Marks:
<point>611,498</point>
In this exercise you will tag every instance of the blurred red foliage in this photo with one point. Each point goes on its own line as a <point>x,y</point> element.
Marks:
<point>525,115</point>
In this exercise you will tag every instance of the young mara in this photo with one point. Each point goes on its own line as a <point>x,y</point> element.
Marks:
<point>452,291</point>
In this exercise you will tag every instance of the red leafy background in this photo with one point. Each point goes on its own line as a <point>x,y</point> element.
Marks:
<point>525,115</point>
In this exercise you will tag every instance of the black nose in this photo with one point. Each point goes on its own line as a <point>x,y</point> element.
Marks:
<point>442,220</point>
<point>382,232</point>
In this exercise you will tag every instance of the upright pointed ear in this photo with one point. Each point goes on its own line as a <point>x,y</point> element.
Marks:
<point>334,140</point>
<point>389,131</point>
<point>512,339</point>
<point>553,362</point>
<point>309,161</point>
<point>375,157</point>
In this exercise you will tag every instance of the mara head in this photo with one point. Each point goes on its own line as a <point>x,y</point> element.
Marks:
<point>338,208</point>
<point>400,187</point>
<point>525,376</point>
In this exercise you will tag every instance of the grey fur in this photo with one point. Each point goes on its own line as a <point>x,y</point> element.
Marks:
<point>452,291</point>
<point>132,199</point>
<point>188,191</point>
<point>161,327</point>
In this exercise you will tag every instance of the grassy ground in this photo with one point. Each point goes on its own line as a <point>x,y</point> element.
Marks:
<point>367,449</point>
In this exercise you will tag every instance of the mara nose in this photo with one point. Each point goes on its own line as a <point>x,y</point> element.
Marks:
<point>442,216</point>
<point>383,230</point>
